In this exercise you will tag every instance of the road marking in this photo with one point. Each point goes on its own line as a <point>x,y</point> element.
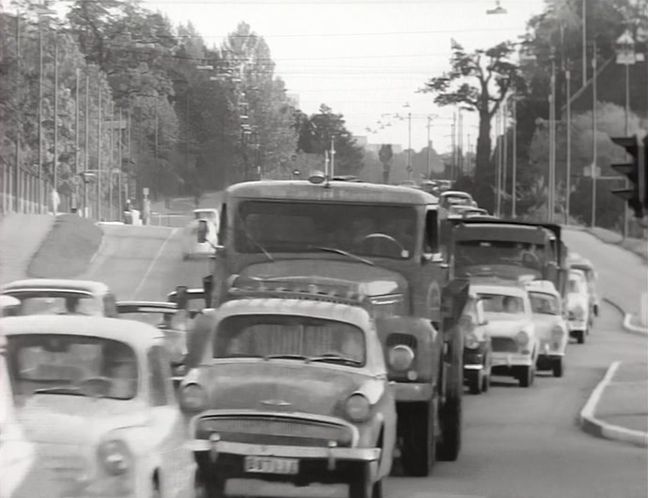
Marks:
<point>152,264</point>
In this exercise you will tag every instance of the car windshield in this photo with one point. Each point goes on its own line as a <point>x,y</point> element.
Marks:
<point>298,337</point>
<point>544,304</point>
<point>57,302</point>
<point>155,318</point>
<point>205,215</point>
<point>499,303</point>
<point>458,200</point>
<point>61,364</point>
<point>484,252</point>
<point>575,285</point>
<point>360,229</point>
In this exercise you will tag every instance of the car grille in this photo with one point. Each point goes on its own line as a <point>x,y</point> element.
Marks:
<point>63,464</point>
<point>504,345</point>
<point>278,430</point>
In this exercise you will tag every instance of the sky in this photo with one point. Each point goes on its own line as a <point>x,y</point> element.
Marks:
<point>366,59</point>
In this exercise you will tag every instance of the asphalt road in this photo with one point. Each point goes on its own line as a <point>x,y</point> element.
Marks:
<point>518,443</point>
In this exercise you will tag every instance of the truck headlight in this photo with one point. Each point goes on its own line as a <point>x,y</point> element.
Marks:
<point>471,342</point>
<point>193,398</point>
<point>401,357</point>
<point>358,407</point>
<point>115,456</point>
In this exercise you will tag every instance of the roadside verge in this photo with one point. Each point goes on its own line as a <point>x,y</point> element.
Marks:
<point>68,248</point>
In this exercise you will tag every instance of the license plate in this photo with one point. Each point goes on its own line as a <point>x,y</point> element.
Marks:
<point>271,465</point>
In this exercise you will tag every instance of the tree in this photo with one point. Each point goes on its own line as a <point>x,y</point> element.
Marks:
<point>478,81</point>
<point>316,132</point>
<point>385,154</point>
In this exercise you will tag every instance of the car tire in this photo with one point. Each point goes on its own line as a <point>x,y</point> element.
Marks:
<point>580,336</point>
<point>212,486</point>
<point>475,380</point>
<point>486,382</point>
<point>526,376</point>
<point>362,487</point>
<point>451,423</point>
<point>558,367</point>
<point>417,426</point>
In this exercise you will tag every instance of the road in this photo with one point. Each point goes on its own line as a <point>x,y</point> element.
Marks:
<point>518,443</point>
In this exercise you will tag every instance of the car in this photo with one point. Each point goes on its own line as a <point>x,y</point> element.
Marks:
<point>191,248</point>
<point>473,212</point>
<point>172,322</point>
<point>17,453</point>
<point>457,211</point>
<point>49,296</point>
<point>9,305</point>
<point>578,262</point>
<point>95,396</point>
<point>456,197</point>
<point>477,353</point>
<point>196,299</point>
<point>550,326</point>
<point>511,329</point>
<point>578,306</point>
<point>293,390</point>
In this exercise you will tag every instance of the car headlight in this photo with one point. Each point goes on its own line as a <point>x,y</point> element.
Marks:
<point>471,342</point>
<point>358,407</point>
<point>577,313</point>
<point>522,338</point>
<point>401,357</point>
<point>115,456</point>
<point>193,398</point>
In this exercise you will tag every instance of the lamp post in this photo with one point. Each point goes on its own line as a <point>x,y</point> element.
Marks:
<point>409,140</point>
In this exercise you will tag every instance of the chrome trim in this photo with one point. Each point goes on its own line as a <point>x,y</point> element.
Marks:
<point>412,391</point>
<point>245,449</point>
<point>473,367</point>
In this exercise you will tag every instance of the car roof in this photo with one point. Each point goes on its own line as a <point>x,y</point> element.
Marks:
<point>354,315</point>
<point>144,306</point>
<point>455,193</point>
<point>337,191</point>
<point>501,289</point>
<point>206,210</point>
<point>136,334</point>
<point>58,284</point>
<point>8,301</point>
<point>543,286</point>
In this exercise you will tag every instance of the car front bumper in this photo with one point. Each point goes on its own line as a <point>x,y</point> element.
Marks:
<point>576,325</point>
<point>500,360</point>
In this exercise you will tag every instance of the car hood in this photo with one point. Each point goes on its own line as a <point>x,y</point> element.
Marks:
<point>284,385</point>
<point>77,420</point>
<point>375,281</point>
<point>499,325</point>
<point>544,324</point>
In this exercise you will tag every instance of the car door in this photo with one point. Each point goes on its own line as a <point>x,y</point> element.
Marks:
<point>167,427</point>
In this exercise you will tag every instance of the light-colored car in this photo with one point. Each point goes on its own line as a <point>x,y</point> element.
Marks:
<point>9,305</point>
<point>578,306</point>
<point>95,397</point>
<point>511,329</point>
<point>293,390</point>
<point>477,354</point>
<point>456,198</point>
<point>577,262</point>
<point>17,454</point>
<point>550,326</point>
<point>49,296</point>
<point>191,248</point>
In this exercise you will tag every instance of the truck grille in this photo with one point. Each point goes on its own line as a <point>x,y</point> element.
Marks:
<point>504,345</point>
<point>277,430</point>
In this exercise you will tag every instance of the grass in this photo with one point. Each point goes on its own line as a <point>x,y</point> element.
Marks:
<point>67,249</point>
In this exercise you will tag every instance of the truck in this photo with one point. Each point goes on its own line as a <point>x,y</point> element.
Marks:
<point>384,242</point>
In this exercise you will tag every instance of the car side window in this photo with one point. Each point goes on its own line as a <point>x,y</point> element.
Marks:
<point>158,376</point>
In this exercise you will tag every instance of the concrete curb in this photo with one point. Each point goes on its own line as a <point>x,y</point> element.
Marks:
<point>596,427</point>
<point>627,317</point>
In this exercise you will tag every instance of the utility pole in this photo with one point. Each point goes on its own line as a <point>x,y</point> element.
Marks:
<point>119,165</point>
<point>332,157</point>
<point>454,146</point>
<point>460,148</point>
<point>429,147</point>
<point>504,146</point>
<point>594,128</point>
<point>40,116</point>
<point>514,154</point>
<point>111,156</point>
<point>98,200</point>
<point>16,180</point>
<point>55,176</point>
<point>551,187</point>
<point>584,43</point>
<point>569,151</point>
<point>498,145</point>
<point>409,145</point>
<point>76,139</point>
<point>86,160</point>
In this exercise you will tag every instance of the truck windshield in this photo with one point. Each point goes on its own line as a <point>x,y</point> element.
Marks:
<point>479,252</point>
<point>368,230</point>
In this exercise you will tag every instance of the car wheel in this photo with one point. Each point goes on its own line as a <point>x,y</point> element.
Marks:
<point>362,487</point>
<point>486,382</point>
<point>417,424</point>
<point>475,381</point>
<point>212,486</point>
<point>580,336</point>
<point>558,367</point>
<point>451,422</point>
<point>526,376</point>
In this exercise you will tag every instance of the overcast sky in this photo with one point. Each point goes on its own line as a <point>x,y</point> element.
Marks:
<point>363,58</point>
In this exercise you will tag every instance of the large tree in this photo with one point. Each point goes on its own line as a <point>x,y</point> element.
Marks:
<point>478,81</point>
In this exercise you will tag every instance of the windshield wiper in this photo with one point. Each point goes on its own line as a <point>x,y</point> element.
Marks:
<point>343,253</point>
<point>75,391</point>
<point>336,359</point>
<point>248,235</point>
<point>285,357</point>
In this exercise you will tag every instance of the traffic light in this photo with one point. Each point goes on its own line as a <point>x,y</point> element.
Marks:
<point>636,193</point>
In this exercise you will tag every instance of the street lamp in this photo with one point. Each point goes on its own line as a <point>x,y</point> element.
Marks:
<point>409,140</point>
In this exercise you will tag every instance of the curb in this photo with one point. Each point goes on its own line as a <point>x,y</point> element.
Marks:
<point>627,317</point>
<point>592,425</point>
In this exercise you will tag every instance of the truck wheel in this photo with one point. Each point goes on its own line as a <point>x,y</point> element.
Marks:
<point>475,381</point>
<point>526,376</point>
<point>580,336</point>
<point>558,367</point>
<point>450,420</point>
<point>417,423</point>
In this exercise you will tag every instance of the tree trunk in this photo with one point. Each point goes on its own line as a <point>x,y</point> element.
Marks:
<point>482,162</point>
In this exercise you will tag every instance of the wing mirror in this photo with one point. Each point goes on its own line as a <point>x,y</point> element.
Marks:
<point>203,230</point>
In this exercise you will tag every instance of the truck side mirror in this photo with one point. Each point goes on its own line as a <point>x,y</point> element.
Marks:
<point>203,230</point>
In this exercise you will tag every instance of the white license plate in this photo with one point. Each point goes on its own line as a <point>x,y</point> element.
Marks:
<point>271,465</point>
